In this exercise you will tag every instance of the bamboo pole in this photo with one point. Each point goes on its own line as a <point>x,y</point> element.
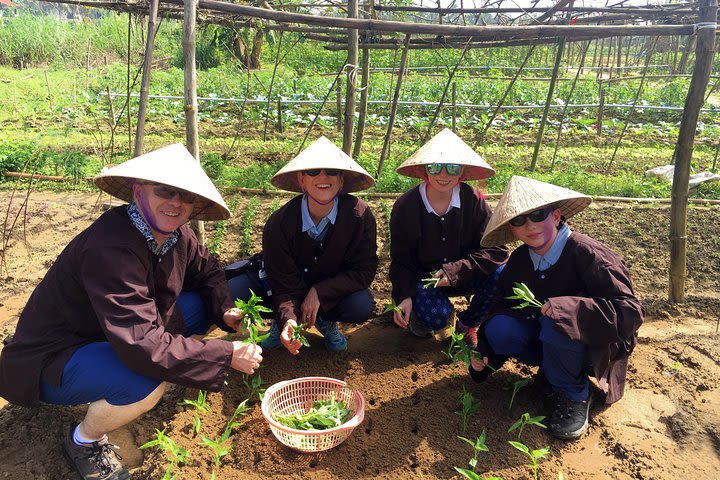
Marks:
<point>364,94</point>
<point>704,54</point>
<point>454,106</point>
<point>272,82</point>
<point>351,79</point>
<point>601,109</point>
<point>145,83</point>
<point>548,100</point>
<point>190,91</point>
<point>393,108</point>
<point>127,83</point>
<point>338,106</point>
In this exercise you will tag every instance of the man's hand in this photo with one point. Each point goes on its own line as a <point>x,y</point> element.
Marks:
<point>547,310</point>
<point>444,280</point>
<point>402,317</point>
<point>293,346</point>
<point>246,357</point>
<point>233,318</point>
<point>309,308</point>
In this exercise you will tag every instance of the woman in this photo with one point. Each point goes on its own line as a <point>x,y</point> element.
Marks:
<point>589,315</point>
<point>436,228</point>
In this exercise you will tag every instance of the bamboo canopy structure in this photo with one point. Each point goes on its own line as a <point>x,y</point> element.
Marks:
<point>346,26</point>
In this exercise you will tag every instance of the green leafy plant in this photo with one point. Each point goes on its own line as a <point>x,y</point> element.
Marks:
<point>430,281</point>
<point>478,446</point>
<point>254,385</point>
<point>200,405</point>
<point>469,405</point>
<point>535,455</point>
<point>516,386</point>
<point>392,307</point>
<point>221,445</point>
<point>470,475</point>
<point>523,293</point>
<point>524,420</point>
<point>251,317</point>
<point>323,414</point>
<point>173,452</point>
<point>299,335</point>
<point>458,351</point>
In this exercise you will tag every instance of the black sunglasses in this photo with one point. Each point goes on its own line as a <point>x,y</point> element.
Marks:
<point>168,193</point>
<point>535,216</point>
<point>330,172</point>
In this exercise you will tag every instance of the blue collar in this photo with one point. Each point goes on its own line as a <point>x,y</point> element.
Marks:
<point>137,219</point>
<point>317,232</point>
<point>543,262</point>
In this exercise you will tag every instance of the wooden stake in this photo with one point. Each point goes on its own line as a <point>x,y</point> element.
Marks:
<point>548,101</point>
<point>351,79</point>
<point>145,84</point>
<point>601,108</point>
<point>454,106</point>
<point>364,86</point>
<point>338,106</point>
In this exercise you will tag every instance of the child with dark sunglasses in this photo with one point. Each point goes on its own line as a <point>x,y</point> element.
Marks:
<point>588,321</point>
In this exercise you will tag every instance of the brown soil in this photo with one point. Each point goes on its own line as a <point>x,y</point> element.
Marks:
<point>664,428</point>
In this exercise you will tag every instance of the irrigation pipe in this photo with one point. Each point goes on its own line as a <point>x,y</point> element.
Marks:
<point>263,191</point>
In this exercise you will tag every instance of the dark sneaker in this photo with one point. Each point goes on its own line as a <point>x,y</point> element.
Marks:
<point>94,462</point>
<point>273,341</point>
<point>569,419</point>
<point>418,329</point>
<point>334,340</point>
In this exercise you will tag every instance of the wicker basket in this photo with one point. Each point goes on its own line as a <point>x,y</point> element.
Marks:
<point>297,396</point>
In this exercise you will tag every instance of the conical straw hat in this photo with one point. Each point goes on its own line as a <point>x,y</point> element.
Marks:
<point>323,153</point>
<point>446,147</point>
<point>523,195</point>
<point>173,166</point>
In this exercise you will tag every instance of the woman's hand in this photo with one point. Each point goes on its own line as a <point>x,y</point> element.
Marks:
<point>547,310</point>
<point>233,318</point>
<point>246,357</point>
<point>293,346</point>
<point>402,317</point>
<point>444,280</point>
<point>309,308</point>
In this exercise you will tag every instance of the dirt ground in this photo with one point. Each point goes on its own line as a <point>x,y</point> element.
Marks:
<point>665,427</point>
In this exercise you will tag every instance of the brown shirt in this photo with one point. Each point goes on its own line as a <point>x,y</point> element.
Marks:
<point>344,262</point>
<point>422,242</point>
<point>108,286</point>
<point>592,299</point>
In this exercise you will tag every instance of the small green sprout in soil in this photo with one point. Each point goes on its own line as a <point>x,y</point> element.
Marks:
<point>323,414</point>
<point>431,281</point>
<point>516,386</point>
<point>174,454</point>
<point>221,446</point>
<point>535,455</point>
<point>254,385</point>
<point>469,405</point>
<point>298,335</point>
<point>457,350</point>
<point>524,420</point>
<point>251,317</point>
<point>478,446</point>
<point>200,405</point>
<point>523,293</point>
<point>470,475</point>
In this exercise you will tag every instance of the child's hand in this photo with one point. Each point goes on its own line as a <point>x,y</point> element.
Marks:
<point>402,317</point>
<point>547,310</point>
<point>293,346</point>
<point>444,281</point>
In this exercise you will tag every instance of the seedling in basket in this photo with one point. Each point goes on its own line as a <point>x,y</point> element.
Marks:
<point>173,452</point>
<point>469,405</point>
<point>323,414</point>
<point>535,455</point>
<point>523,293</point>
<point>516,386</point>
<point>478,446</point>
<point>524,420</point>
<point>200,405</point>
<point>431,281</point>
<point>299,335</point>
<point>251,317</point>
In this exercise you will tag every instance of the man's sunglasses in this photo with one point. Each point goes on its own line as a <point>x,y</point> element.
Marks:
<point>535,216</point>
<point>330,172</point>
<point>452,169</point>
<point>168,193</point>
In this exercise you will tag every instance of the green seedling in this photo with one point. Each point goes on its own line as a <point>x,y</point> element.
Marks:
<point>254,385</point>
<point>251,317</point>
<point>535,455</point>
<point>478,446</point>
<point>676,366</point>
<point>516,386</point>
<point>469,405</point>
<point>523,293</point>
<point>298,335</point>
<point>524,420</point>
<point>457,350</point>
<point>200,405</point>
<point>221,445</point>
<point>431,281</point>
<point>323,414</point>
<point>470,475</point>
<point>392,307</point>
<point>173,452</point>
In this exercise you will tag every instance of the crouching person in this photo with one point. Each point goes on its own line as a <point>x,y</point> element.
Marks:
<point>108,324</point>
<point>589,317</point>
<point>319,249</point>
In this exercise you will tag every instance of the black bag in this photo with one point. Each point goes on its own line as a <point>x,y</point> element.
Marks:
<point>255,268</point>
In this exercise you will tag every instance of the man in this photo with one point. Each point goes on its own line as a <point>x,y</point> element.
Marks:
<point>105,327</point>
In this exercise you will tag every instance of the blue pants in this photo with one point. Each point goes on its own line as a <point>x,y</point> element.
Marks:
<point>538,343</point>
<point>94,371</point>
<point>433,308</point>
<point>354,308</point>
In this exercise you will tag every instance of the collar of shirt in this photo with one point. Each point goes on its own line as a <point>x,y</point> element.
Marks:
<point>543,262</point>
<point>308,225</point>
<point>454,201</point>
<point>137,219</point>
